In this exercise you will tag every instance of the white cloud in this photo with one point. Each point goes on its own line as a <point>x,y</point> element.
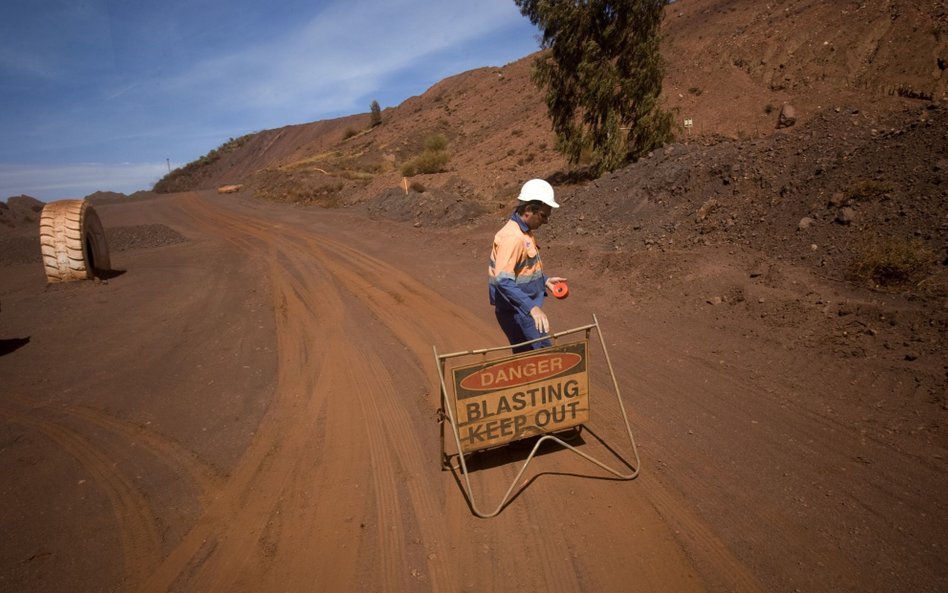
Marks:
<point>59,182</point>
<point>343,53</point>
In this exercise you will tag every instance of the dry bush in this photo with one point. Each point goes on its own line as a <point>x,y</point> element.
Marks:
<point>892,262</point>
<point>436,143</point>
<point>868,189</point>
<point>425,164</point>
<point>432,160</point>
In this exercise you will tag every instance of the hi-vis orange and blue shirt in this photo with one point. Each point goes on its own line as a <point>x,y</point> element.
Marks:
<point>515,277</point>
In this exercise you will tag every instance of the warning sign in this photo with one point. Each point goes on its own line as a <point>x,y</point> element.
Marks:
<point>525,395</point>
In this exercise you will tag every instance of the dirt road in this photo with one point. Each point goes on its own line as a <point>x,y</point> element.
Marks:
<point>255,410</point>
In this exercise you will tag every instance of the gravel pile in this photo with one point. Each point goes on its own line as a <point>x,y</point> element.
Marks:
<point>26,249</point>
<point>144,236</point>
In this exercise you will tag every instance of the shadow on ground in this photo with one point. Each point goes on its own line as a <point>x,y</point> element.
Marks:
<point>12,344</point>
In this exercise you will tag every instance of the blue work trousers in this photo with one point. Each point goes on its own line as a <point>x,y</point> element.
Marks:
<point>520,328</point>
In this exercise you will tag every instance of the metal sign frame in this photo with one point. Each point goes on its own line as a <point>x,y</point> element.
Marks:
<point>446,415</point>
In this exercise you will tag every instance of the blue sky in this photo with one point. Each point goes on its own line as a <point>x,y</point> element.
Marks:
<point>101,94</point>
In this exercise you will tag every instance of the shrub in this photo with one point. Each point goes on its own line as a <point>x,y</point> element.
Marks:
<point>432,160</point>
<point>435,142</point>
<point>868,189</point>
<point>892,261</point>
<point>426,163</point>
<point>910,93</point>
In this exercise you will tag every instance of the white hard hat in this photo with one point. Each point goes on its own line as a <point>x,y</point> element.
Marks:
<point>539,190</point>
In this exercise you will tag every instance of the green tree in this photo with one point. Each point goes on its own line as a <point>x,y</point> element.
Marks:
<point>602,74</point>
<point>376,114</point>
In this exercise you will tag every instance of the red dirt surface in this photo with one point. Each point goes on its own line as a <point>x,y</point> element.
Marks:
<point>249,403</point>
<point>255,409</point>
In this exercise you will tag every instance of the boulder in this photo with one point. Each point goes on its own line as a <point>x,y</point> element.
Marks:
<point>787,117</point>
<point>845,215</point>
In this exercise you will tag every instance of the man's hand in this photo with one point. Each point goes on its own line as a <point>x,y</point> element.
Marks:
<point>551,281</point>
<point>539,318</point>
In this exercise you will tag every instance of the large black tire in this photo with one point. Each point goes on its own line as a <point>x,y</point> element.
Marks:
<point>72,241</point>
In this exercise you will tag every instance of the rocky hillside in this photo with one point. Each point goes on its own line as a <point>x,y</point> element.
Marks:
<point>736,58</point>
<point>20,212</point>
<point>491,120</point>
<point>732,64</point>
<point>853,190</point>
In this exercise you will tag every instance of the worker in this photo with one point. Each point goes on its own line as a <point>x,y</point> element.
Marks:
<point>516,281</point>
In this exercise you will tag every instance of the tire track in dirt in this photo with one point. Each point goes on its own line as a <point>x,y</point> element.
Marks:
<point>383,295</point>
<point>337,310</point>
<point>378,295</point>
<point>368,380</point>
<point>180,460</point>
<point>389,512</point>
<point>387,293</point>
<point>395,300</point>
<point>395,446</point>
<point>138,531</point>
<point>323,545</point>
<point>356,380</point>
<point>245,521</point>
<point>297,370</point>
<point>561,576</point>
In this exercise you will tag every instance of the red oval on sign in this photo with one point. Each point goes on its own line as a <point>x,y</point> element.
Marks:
<point>520,371</point>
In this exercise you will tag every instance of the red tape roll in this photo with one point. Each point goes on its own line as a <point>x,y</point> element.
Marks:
<point>560,290</point>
